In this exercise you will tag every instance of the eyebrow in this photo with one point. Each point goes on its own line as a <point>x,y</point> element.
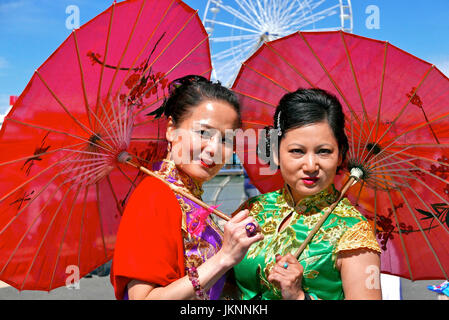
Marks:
<point>207,126</point>
<point>301,146</point>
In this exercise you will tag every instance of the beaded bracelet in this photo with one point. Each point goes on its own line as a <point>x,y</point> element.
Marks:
<point>193,277</point>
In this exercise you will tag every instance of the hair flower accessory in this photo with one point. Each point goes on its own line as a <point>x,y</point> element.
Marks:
<point>279,124</point>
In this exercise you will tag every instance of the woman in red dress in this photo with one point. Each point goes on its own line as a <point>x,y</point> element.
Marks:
<point>156,255</point>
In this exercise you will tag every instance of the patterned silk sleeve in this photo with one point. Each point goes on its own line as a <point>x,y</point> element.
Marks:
<point>359,236</point>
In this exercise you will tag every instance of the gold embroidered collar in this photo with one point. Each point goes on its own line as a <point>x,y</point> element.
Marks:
<point>311,204</point>
<point>169,172</point>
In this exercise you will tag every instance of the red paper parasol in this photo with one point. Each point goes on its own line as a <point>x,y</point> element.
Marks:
<point>63,189</point>
<point>397,109</point>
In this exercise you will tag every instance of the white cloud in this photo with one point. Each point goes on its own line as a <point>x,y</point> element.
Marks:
<point>4,104</point>
<point>3,63</point>
<point>442,63</point>
<point>3,112</point>
<point>7,5</point>
<point>2,117</point>
<point>444,67</point>
<point>26,17</point>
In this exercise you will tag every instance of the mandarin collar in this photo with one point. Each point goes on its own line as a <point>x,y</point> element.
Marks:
<point>311,204</point>
<point>169,171</point>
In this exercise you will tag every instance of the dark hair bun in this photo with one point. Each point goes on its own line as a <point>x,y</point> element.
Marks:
<point>189,91</point>
<point>177,89</point>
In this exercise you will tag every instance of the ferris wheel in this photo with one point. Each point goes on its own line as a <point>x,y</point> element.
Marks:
<point>237,28</point>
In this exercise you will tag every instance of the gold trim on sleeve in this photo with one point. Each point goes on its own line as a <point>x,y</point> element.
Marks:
<point>359,236</point>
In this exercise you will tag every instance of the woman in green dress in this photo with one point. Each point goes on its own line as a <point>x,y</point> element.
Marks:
<point>343,259</point>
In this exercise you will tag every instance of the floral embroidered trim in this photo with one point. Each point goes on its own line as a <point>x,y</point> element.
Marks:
<point>312,204</point>
<point>168,169</point>
<point>346,209</point>
<point>359,236</point>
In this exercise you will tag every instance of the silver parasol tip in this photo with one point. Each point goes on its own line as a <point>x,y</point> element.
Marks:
<point>123,157</point>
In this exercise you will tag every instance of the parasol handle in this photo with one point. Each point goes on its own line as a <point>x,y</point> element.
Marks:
<point>355,176</point>
<point>176,189</point>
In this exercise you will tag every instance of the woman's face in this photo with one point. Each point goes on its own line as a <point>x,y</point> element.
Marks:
<point>308,159</point>
<point>200,145</point>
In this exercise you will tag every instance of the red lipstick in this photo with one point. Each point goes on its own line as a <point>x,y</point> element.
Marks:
<point>310,180</point>
<point>207,165</point>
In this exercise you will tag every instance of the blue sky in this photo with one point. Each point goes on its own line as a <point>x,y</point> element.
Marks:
<point>30,30</point>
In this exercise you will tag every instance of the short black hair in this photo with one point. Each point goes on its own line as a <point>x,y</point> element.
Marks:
<point>189,91</point>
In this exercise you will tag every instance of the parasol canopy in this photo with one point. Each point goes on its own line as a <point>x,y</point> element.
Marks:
<point>63,181</point>
<point>397,123</point>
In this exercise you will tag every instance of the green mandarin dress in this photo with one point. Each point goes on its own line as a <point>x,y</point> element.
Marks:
<point>344,229</point>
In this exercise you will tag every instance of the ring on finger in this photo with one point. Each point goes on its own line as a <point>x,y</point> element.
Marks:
<point>251,229</point>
